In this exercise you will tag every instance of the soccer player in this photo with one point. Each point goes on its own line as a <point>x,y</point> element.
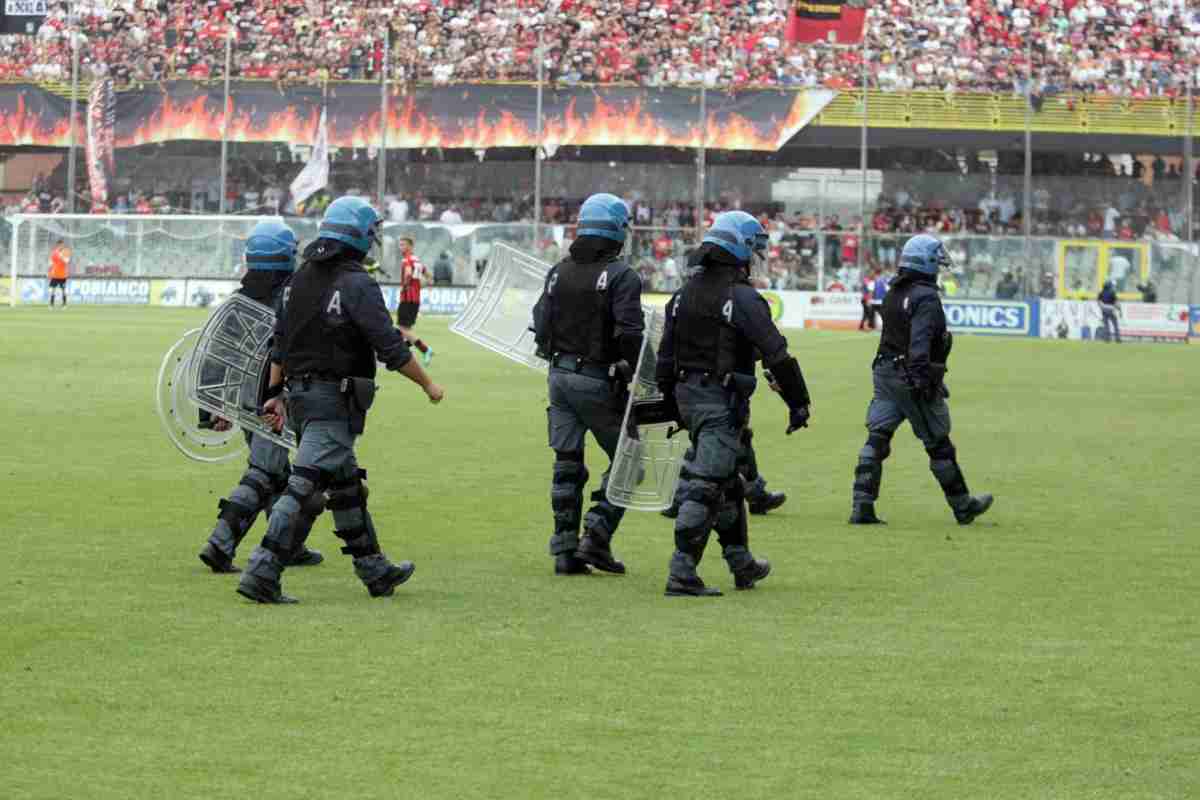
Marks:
<point>60,270</point>
<point>412,274</point>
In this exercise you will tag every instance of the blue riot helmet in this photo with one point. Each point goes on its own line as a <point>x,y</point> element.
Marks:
<point>739,234</point>
<point>925,254</point>
<point>271,246</point>
<point>352,221</point>
<point>604,215</point>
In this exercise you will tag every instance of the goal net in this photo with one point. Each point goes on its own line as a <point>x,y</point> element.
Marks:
<point>122,257</point>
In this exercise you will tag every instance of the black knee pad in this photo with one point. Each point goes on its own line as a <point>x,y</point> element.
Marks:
<point>313,506</point>
<point>318,478</point>
<point>263,488</point>
<point>942,450</point>
<point>881,443</point>
<point>233,514</point>
<point>346,495</point>
<point>704,492</point>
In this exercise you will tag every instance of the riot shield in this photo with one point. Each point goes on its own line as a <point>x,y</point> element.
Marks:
<point>499,314</point>
<point>231,365</point>
<point>186,425</point>
<point>645,468</point>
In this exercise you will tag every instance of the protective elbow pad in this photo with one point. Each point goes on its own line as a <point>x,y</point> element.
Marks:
<point>791,382</point>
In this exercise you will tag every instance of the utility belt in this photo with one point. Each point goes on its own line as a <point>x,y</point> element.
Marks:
<point>885,360</point>
<point>937,371</point>
<point>302,383</point>
<point>571,362</point>
<point>739,387</point>
<point>359,394</point>
<point>737,382</point>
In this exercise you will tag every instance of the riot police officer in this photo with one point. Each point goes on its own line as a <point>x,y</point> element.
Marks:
<point>908,374</point>
<point>332,327</point>
<point>717,325</point>
<point>270,261</point>
<point>588,324</point>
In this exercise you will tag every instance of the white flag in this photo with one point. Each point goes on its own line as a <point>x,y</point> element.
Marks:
<point>315,175</point>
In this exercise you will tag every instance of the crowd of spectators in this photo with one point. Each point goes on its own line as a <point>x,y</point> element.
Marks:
<point>1127,47</point>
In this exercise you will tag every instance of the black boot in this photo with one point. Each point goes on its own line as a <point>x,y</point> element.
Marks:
<point>217,561</point>
<point>746,577</point>
<point>305,558</point>
<point>672,511</point>
<point>864,514</point>
<point>263,591</point>
<point>977,507</point>
<point>682,581</point>
<point>767,501</point>
<point>746,569</point>
<point>595,549</point>
<point>385,585</point>
<point>689,587</point>
<point>568,564</point>
<point>260,581</point>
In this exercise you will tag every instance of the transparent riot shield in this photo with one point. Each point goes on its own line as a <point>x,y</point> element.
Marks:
<point>499,314</point>
<point>645,469</point>
<point>188,426</point>
<point>230,366</point>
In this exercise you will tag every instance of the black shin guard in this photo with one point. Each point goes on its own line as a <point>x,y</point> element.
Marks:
<point>943,463</point>
<point>566,501</point>
<point>868,473</point>
<point>238,517</point>
<point>350,496</point>
<point>697,515</point>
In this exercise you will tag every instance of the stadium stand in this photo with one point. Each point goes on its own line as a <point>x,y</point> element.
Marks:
<point>1138,48</point>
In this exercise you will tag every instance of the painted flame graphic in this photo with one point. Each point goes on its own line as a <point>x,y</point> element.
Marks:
<point>24,127</point>
<point>413,124</point>
<point>199,120</point>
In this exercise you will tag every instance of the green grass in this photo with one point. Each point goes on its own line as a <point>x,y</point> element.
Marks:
<point>1050,650</point>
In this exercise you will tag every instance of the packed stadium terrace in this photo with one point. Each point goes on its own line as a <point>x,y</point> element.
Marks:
<point>1139,48</point>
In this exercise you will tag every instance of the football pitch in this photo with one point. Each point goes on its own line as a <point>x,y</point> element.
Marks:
<point>1050,650</point>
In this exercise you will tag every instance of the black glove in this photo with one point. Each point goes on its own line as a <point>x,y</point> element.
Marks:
<point>797,419</point>
<point>623,371</point>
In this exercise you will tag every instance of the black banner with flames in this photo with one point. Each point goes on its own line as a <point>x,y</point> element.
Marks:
<point>458,116</point>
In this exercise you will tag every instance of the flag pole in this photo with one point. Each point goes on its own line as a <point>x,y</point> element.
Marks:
<point>863,161</point>
<point>537,150</point>
<point>381,185</point>
<point>225,121</point>
<point>76,35</point>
